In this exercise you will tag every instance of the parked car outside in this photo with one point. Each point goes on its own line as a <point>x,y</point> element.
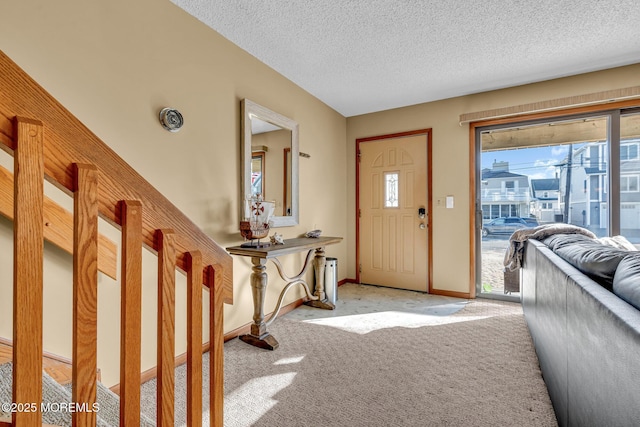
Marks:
<point>507,225</point>
<point>533,222</point>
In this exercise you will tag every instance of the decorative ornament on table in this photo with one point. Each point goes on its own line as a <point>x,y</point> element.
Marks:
<point>314,233</point>
<point>277,239</point>
<point>256,222</point>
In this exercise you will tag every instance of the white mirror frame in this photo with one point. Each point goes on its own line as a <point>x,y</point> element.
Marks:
<point>249,110</point>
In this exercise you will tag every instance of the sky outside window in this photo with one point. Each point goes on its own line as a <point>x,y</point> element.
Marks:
<point>537,162</point>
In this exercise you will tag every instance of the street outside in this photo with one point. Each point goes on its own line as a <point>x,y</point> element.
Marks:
<point>493,250</point>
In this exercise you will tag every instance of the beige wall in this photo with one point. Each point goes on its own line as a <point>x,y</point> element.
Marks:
<point>451,240</point>
<point>115,65</point>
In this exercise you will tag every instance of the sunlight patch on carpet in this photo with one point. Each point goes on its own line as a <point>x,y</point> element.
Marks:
<point>365,323</point>
<point>289,360</point>
<point>261,403</point>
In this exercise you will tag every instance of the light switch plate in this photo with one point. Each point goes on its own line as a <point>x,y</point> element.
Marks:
<point>449,202</point>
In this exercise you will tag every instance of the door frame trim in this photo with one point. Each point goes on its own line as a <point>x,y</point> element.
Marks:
<point>428,133</point>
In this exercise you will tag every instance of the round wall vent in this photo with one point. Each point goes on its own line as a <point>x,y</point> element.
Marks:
<point>171,119</point>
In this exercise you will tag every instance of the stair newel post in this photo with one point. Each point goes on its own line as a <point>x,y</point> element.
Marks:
<point>130,312</point>
<point>85,294</point>
<point>28,253</point>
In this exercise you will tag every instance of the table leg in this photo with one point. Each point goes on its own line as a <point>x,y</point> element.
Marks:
<point>259,336</point>
<point>319,265</point>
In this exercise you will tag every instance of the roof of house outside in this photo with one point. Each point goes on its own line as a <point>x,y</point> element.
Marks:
<point>547,184</point>
<point>490,173</point>
<point>594,170</point>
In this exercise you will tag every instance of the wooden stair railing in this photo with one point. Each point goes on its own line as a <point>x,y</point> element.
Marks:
<point>58,226</point>
<point>47,141</point>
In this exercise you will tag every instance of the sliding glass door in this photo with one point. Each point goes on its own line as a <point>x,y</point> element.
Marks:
<point>630,177</point>
<point>580,170</point>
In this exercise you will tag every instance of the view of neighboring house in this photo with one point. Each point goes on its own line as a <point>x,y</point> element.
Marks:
<point>630,190</point>
<point>584,187</point>
<point>504,193</point>
<point>578,196</point>
<point>544,203</point>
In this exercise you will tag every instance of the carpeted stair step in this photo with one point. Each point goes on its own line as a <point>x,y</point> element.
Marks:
<point>110,406</point>
<point>54,393</point>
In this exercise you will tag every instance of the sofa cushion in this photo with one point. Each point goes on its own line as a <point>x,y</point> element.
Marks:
<point>619,242</point>
<point>594,259</point>
<point>557,241</point>
<point>626,281</point>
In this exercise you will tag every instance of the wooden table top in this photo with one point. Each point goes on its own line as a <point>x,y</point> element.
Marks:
<point>290,246</point>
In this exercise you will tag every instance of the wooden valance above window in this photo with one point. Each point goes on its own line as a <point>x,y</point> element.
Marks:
<point>597,98</point>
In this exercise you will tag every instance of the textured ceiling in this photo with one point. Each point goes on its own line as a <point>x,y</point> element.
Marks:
<point>361,56</point>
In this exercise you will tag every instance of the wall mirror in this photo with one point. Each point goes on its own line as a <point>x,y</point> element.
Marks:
<point>270,160</point>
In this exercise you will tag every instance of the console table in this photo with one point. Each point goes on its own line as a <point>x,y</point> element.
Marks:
<point>259,335</point>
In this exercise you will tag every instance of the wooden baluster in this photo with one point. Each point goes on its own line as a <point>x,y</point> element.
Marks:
<point>58,226</point>
<point>216,347</point>
<point>130,313</point>
<point>85,293</point>
<point>194,339</point>
<point>28,252</point>
<point>166,327</point>
<point>69,141</point>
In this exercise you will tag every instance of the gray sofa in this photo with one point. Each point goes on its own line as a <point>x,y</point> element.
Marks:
<point>586,336</point>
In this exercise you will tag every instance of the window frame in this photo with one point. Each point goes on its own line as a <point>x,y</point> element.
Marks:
<point>624,151</point>
<point>386,176</point>
<point>611,187</point>
<point>614,110</point>
<point>625,188</point>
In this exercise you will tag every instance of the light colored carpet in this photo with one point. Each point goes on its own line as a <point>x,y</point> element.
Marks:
<point>110,406</point>
<point>364,308</point>
<point>148,394</point>
<point>383,358</point>
<point>56,394</point>
<point>472,367</point>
